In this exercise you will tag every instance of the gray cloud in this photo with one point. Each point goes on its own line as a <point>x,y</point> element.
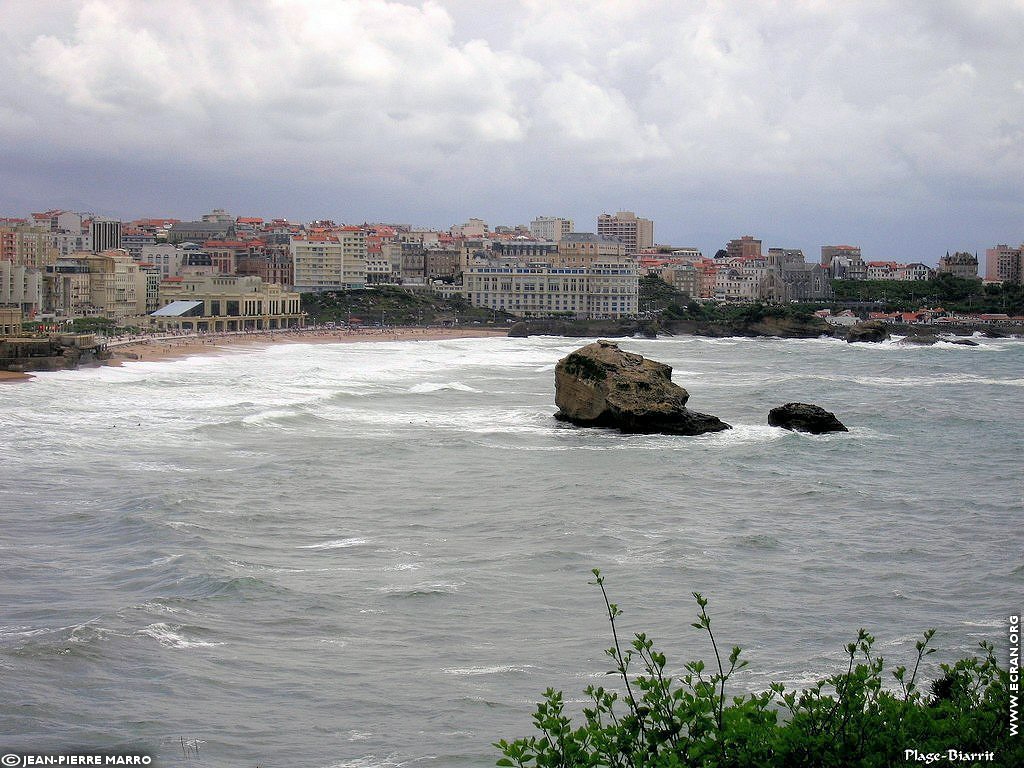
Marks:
<point>897,125</point>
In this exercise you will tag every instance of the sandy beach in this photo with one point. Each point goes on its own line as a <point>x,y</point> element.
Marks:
<point>177,347</point>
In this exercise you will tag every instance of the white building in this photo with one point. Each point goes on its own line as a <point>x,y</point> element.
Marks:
<point>914,271</point>
<point>330,261</point>
<point>166,257</point>
<point>550,228</point>
<point>21,286</point>
<point>472,228</point>
<point>603,289</point>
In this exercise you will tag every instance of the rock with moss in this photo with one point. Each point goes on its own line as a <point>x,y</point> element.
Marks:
<point>600,385</point>
<point>804,417</point>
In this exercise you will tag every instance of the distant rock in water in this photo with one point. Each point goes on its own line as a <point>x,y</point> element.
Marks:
<point>920,339</point>
<point>962,342</point>
<point>599,385</point>
<point>804,417</point>
<point>872,330</point>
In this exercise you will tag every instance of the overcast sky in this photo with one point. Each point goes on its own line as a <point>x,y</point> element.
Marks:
<point>896,126</point>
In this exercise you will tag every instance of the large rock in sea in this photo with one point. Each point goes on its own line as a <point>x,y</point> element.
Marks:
<point>804,417</point>
<point>599,385</point>
<point>872,330</point>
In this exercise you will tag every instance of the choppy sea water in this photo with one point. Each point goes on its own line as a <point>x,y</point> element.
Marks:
<point>377,554</point>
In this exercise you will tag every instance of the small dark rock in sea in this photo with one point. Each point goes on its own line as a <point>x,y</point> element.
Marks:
<point>962,342</point>
<point>804,417</point>
<point>872,330</point>
<point>599,385</point>
<point>922,339</point>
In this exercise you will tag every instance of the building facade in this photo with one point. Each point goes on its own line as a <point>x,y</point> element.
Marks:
<point>1004,264</point>
<point>550,228</point>
<point>329,261</point>
<point>104,235</point>
<point>213,303</point>
<point>960,264</point>
<point>603,289</point>
<point>117,287</point>
<point>580,249</point>
<point>66,291</point>
<point>21,287</point>
<point>633,232</point>
<point>745,247</point>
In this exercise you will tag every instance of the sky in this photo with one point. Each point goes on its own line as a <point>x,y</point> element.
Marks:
<point>896,126</point>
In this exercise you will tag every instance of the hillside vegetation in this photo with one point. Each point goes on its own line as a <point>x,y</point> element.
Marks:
<point>955,294</point>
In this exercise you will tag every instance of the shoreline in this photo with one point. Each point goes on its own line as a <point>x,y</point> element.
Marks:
<point>178,347</point>
<point>170,348</point>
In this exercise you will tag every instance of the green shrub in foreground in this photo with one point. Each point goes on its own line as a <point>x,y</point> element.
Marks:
<point>848,719</point>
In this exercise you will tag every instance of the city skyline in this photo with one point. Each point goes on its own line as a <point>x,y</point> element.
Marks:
<point>899,130</point>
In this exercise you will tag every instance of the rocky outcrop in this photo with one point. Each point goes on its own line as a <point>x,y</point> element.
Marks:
<point>808,327</point>
<point>872,330</point>
<point>920,339</point>
<point>962,342</point>
<point>549,326</point>
<point>804,417</point>
<point>797,327</point>
<point>599,385</point>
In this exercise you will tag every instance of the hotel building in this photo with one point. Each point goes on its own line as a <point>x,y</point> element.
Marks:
<point>602,289</point>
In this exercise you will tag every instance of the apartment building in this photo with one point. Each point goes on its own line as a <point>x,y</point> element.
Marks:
<point>22,287</point>
<point>117,287</point>
<point>1004,264</point>
<point>273,265</point>
<point>134,239</point>
<point>550,228</point>
<point>745,247</point>
<point>633,232</point>
<point>66,291</point>
<point>104,234</point>
<point>29,246</point>
<point>331,260</point>
<point>684,277</point>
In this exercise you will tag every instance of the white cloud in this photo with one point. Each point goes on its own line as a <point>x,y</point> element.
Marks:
<point>336,73</point>
<point>807,99</point>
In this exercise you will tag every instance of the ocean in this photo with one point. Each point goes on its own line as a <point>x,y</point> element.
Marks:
<point>378,554</point>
